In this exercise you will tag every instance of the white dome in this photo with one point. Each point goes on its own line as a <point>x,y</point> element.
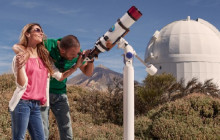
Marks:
<point>187,49</point>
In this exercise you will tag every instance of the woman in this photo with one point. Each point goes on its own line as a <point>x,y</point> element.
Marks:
<point>32,82</point>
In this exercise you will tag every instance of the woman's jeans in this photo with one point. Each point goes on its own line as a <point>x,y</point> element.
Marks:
<point>27,115</point>
<point>59,105</point>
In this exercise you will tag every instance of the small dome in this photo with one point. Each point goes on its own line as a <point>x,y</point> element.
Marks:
<point>184,43</point>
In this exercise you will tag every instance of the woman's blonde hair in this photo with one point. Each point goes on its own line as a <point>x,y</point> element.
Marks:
<point>41,49</point>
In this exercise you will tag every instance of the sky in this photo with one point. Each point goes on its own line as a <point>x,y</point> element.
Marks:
<point>90,19</point>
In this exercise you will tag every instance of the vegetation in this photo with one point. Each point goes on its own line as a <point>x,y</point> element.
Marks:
<point>195,116</point>
<point>7,86</point>
<point>7,83</point>
<point>163,88</point>
<point>164,109</point>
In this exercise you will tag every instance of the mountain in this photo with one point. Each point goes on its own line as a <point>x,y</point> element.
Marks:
<point>101,78</point>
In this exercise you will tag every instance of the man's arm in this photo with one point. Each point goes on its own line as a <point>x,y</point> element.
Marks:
<point>18,48</point>
<point>61,76</point>
<point>68,73</point>
<point>88,67</point>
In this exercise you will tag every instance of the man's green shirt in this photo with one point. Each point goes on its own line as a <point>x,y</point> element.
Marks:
<point>58,87</point>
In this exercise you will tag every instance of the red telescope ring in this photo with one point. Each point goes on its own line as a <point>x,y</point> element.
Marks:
<point>134,13</point>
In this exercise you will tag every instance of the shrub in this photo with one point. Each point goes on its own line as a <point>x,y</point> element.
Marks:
<point>153,89</point>
<point>194,117</point>
<point>163,88</point>
<point>7,86</point>
<point>103,107</point>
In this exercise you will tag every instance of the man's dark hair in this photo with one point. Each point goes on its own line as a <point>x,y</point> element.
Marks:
<point>69,41</point>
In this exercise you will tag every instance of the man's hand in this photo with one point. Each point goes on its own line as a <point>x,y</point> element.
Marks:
<point>86,53</point>
<point>21,59</point>
<point>80,60</point>
<point>18,48</point>
<point>109,44</point>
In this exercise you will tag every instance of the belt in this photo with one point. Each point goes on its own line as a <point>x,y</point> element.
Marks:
<point>33,101</point>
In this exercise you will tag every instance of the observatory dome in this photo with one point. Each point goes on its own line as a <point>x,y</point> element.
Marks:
<point>186,48</point>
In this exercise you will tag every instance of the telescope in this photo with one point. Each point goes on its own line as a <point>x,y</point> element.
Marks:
<point>118,30</point>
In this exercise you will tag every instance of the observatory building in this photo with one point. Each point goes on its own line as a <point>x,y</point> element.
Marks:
<point>187,49</point>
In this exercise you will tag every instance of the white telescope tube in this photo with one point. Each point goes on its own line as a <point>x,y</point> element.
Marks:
<point>118,30</point>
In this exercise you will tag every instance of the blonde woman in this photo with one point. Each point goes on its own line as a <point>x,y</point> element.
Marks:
<point>32,82</point>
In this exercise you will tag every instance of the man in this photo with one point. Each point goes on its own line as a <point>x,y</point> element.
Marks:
<point>65,51</point>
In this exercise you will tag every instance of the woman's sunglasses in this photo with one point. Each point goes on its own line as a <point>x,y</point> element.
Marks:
<point>37,30</point>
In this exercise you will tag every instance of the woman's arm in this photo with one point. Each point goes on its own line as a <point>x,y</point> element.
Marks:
<point>22,55</point>
<point>20,77</point>
<point>19,73</point>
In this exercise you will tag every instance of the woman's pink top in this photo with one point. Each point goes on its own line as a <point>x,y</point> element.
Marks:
<point>37,80</point>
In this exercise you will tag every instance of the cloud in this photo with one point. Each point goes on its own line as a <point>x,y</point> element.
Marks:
<point>112,63</point>
<point>25,4</point>
<point>81,30</point>
<point>193,2</point>
<point>4,64</point>
<point>111,60</point>
<point>6,48</point>
<point>6,59</point>
<point>6,54</point>
<point>203,3</point>
<point>66,11</point>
